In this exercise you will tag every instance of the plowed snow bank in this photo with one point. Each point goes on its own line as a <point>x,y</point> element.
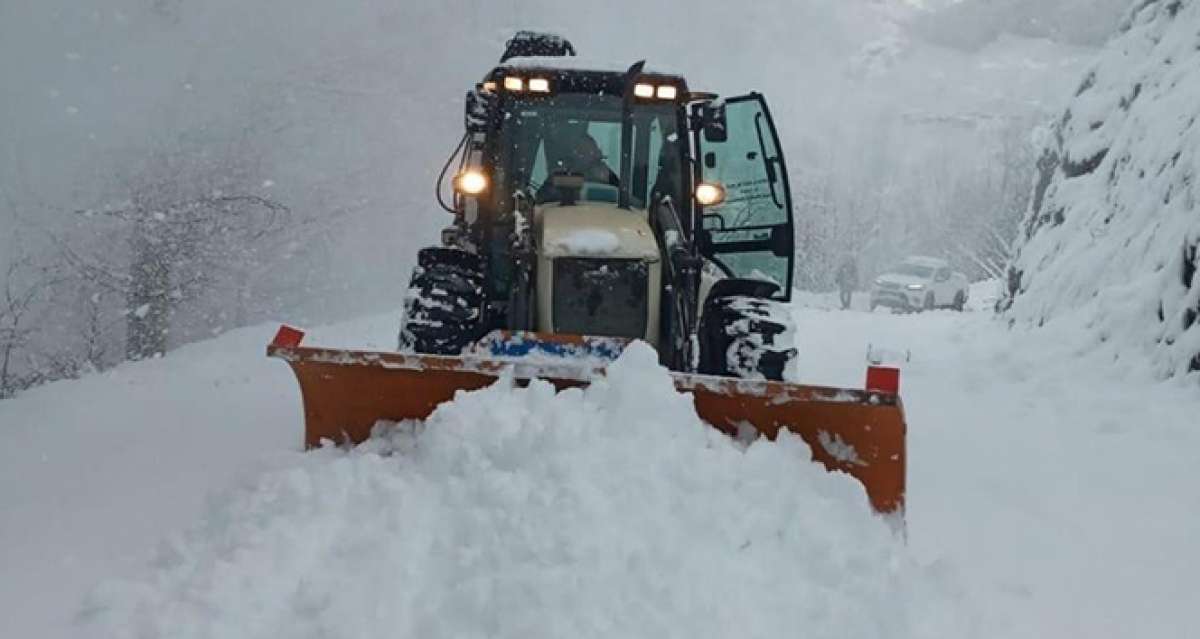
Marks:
<point>521,512</point>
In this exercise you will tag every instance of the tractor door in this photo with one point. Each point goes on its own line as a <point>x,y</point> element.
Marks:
<point>749,234</point>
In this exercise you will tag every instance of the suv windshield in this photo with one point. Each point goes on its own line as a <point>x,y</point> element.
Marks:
<point>914,270</point>
<point>580,134</point>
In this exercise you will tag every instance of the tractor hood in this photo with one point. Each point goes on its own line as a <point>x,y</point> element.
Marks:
<point>589,229</point>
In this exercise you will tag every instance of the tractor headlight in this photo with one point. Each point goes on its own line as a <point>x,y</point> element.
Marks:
<point>915,287</point>
<point>471,182</point>
<point>709,193</point>
<point>643,90</point>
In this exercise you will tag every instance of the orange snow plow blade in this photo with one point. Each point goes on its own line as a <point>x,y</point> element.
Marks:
<point>345,392</point>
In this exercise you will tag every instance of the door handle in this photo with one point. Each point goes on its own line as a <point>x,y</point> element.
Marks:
<point>768,162</point>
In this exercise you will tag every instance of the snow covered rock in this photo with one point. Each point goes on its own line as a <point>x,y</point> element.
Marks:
<point>610,511</point>
<point>1110,242</point>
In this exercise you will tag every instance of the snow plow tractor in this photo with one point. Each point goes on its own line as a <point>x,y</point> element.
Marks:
<point>593,206</point>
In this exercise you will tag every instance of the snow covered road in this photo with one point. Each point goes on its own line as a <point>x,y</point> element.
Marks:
<point>1062,490</point>
<point>1049,494</point>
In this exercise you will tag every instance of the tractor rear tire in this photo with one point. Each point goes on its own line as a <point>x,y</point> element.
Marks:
<point>746,337</point>
<point>444,305</point>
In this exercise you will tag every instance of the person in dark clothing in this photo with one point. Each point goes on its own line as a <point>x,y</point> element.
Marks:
<point>587,158</point>
<point>582,157</point>
<point>847,280</point>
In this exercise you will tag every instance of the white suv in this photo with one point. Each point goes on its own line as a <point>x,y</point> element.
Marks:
<point>923,283</point>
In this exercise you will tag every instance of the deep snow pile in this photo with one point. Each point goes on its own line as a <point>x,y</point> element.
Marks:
<point>1111,239</point>
<point>611,511</point>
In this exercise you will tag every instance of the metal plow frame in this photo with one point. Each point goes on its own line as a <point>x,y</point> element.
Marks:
<point>345,392</point>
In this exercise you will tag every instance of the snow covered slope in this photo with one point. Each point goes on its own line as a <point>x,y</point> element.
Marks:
<point>1111,239</point>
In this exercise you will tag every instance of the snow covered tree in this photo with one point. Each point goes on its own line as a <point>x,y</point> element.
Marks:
<point>194,224</point>
<point>949,186</point>
<point>25,286</point>
<point>177,246</point>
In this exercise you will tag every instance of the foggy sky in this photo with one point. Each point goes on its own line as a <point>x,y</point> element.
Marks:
<point>353,106</point>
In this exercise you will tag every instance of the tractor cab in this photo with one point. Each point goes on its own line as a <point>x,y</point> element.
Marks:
<point>606,200</point>
<point>547,130</point>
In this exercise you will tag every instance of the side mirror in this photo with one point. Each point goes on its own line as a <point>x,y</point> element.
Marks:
<point>712,121</point>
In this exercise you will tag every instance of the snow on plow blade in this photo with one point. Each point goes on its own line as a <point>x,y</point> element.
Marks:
<point>345,392</point>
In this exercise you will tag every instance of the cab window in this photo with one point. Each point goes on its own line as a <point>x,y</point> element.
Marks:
<point>581,134</point>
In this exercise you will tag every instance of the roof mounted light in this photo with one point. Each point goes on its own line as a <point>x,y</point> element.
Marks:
<point>514,84</point>
<point>539,85</point>
<point>648,91</point>
<point>489,86</point>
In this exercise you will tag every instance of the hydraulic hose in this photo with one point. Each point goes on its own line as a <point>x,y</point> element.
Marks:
<point>437,190</point>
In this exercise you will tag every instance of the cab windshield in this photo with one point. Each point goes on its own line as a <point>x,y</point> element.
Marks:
<point>580,134</point>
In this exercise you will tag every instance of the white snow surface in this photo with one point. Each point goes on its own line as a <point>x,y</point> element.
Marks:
<point>611,511</point>
<point>1107,247</point>
<point>589,242</point>
<point>1047,496</point>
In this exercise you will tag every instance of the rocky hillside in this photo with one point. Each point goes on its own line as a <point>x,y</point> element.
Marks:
<point>1110,241</point>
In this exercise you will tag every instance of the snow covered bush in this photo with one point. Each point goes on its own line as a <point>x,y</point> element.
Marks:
<point>1109,246</point>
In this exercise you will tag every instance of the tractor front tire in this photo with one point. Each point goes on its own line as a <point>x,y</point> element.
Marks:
<point>746,337</point>
<point>444,305</point>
